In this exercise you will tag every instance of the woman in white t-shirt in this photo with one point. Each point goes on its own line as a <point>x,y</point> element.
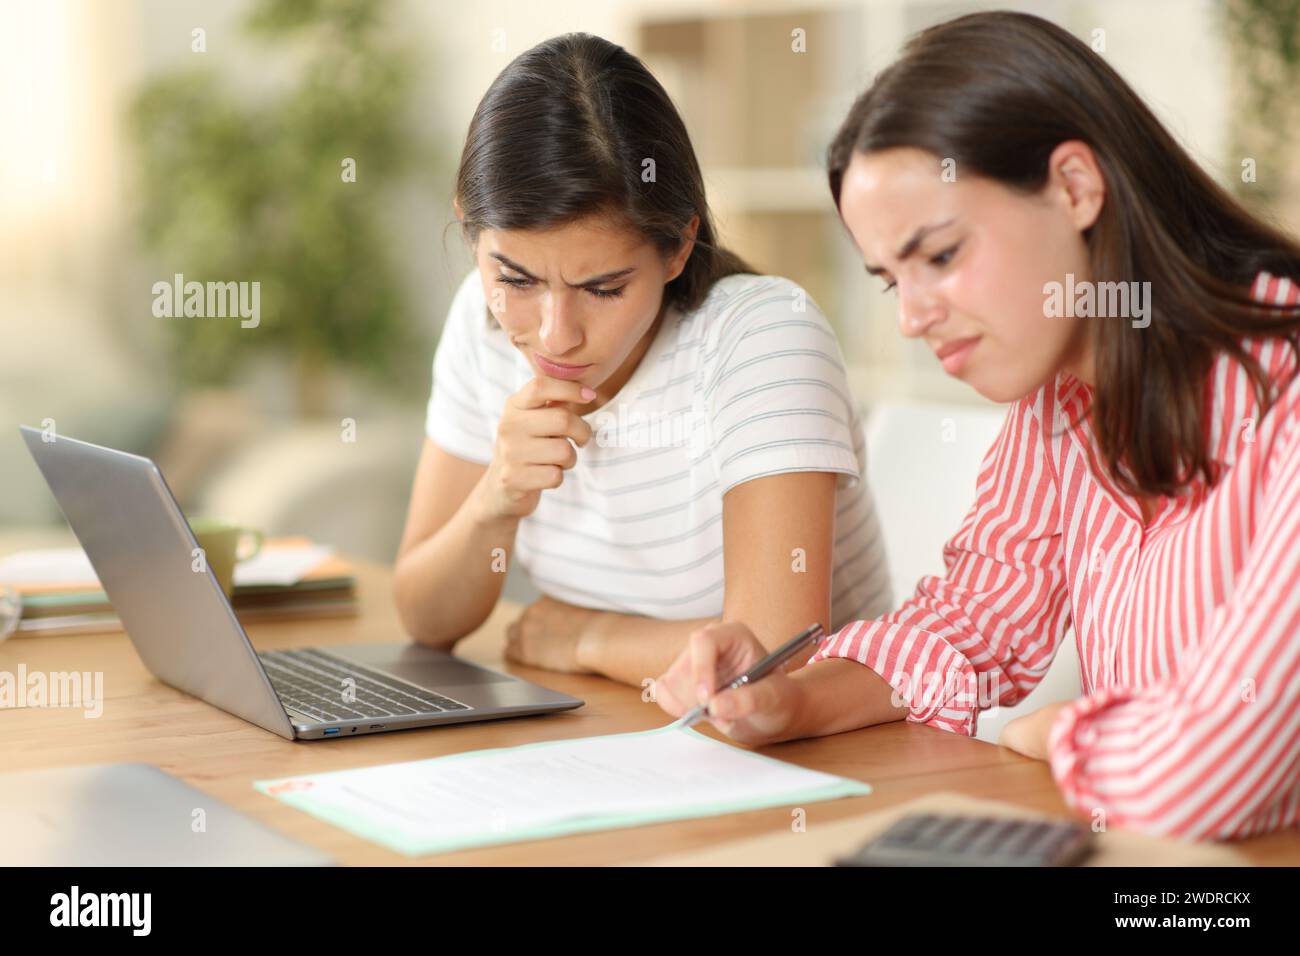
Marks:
<point>661,437</point>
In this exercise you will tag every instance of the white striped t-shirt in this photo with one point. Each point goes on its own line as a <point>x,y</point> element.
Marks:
<point>749,384</point>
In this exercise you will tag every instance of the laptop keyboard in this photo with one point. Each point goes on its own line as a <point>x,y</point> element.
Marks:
<point>312,683</point>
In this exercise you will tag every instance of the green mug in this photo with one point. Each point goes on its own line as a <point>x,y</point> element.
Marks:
<point>224,543</point>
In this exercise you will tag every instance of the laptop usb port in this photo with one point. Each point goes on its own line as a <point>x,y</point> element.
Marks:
<point>330,731</point>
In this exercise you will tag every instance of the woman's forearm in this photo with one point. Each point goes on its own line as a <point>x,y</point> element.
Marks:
<point>448,584</point>
<point>836,695</point>
<point>631,648</point>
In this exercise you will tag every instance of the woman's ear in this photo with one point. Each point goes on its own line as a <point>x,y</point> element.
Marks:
<point>455,203</point>
<point>677,262</point>
<point>1074,169</point>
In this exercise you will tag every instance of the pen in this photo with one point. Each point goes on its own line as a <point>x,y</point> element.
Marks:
<point>813,634</point>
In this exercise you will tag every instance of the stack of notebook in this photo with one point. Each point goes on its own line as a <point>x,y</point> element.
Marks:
<point>291,577</point>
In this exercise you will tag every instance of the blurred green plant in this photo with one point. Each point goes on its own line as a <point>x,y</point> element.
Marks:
<point>1264,39</point>
<point>237,189</point>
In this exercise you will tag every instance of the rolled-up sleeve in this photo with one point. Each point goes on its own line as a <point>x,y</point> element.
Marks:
<point>775,390</point>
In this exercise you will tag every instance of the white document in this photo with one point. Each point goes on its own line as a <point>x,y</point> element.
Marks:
<point>47,566</point>
<point>55,566</point>
<point>283,566</point>
<point>554,788</point>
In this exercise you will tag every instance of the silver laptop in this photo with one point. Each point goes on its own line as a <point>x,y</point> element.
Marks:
<point>131,814</point>
<point>187,634</point>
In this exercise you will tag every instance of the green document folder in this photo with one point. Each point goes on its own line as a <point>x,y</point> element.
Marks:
<point>552,789</point>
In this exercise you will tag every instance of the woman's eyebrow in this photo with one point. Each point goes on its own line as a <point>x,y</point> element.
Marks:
<point>511,264</point>
<point>594,280</point>
<point>911,245</point>
<point>603,278</point>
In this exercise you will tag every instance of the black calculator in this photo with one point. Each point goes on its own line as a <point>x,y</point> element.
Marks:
<point>931,839</point>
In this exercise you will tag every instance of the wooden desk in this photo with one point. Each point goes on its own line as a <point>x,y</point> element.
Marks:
<point>146,721</point>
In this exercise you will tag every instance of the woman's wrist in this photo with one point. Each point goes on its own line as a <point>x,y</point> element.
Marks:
<point>483,512</point>
<point>803,720</point>
<point>592,635</point>
<point>839,694</point>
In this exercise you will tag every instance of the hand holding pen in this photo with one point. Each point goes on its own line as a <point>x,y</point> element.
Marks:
<point>749,696</point>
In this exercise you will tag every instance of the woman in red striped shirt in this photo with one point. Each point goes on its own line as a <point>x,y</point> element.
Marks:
<point>1059,251</point>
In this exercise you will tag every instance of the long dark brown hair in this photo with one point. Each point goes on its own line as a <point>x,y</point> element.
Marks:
<point>998,92</point>
<point>565,131</point>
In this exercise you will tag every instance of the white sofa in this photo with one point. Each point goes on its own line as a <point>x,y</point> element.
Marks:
<point>922,461</point>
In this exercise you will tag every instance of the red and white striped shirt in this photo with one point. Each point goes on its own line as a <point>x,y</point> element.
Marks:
<point>1188,629</point>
